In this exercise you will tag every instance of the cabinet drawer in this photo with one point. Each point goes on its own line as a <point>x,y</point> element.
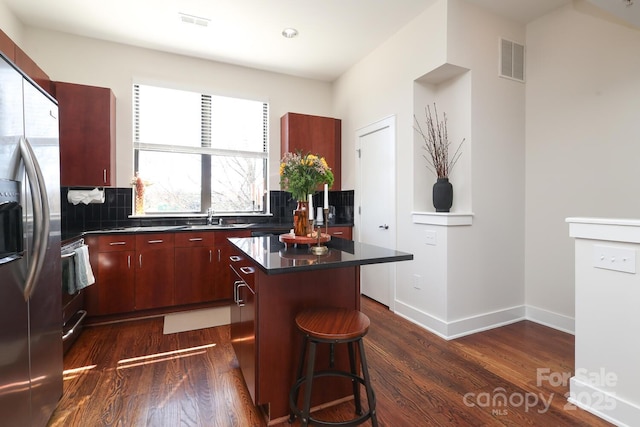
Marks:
<point>194,239</point>
<point>152,241</point>
<point>243,269</point>
<point>343,232</point>
<point>116,242</point>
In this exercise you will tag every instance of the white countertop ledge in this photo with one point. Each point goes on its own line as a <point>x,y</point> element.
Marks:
<point>609,229</point>
<point>447,219</point>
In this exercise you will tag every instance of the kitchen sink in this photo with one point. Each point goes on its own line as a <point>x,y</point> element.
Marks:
<point>214,226</point>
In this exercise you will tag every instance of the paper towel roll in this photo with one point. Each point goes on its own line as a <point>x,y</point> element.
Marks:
<point>85,196</point>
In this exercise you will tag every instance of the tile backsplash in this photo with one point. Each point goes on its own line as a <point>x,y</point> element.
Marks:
<point>117,208</point>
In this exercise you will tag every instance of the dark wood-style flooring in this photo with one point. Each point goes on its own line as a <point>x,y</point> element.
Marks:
<point>130,374</point>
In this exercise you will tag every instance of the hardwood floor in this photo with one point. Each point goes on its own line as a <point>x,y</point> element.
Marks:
<point>130,374</point>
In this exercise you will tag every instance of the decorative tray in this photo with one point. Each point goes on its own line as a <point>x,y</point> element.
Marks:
<point>292,239</point>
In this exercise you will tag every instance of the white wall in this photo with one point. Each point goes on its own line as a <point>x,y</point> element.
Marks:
<point>88,61</point>
<point>582,150</point>
<point>10,25</point>
<point>372,90</point>
<point>475,270</point>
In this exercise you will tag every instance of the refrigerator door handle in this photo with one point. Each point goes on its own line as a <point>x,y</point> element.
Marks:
<point>41,214</point>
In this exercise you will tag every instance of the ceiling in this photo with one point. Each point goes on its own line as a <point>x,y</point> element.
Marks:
<point>333,34</point>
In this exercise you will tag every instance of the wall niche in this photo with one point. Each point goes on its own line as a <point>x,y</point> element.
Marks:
<point>449,87</point>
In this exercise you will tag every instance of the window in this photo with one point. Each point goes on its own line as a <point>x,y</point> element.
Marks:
<point>200,151</point>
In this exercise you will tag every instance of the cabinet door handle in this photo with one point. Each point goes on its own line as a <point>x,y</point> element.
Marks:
<point>239,301</point>
<point>155,241</point>
<point>218,255</point>
<point>129,262</point>
<point>140,260</point>
<point>117,243</point>
<point>235,258</point>
<point>235,291</point>
<point>210,256</point>
<point>247,270</point>
<point>195,239</point>
<point>104,176</point>
<point>336,233</point>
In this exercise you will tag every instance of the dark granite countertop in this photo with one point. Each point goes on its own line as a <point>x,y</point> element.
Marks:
<point>272,257</point>
<point>256,228</point>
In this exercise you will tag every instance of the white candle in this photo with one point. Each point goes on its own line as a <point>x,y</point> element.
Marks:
<point>310,206</point>
<point>326,196</point>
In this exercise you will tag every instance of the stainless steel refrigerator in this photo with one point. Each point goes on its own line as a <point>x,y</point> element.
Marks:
<point>30,273</point>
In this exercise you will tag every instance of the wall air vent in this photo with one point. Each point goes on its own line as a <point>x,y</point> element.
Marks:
<point>511,60</point>
<point>195,20</point>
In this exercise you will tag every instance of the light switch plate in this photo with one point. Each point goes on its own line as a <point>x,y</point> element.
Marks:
<point>430,237</point>
<point>614,258</point>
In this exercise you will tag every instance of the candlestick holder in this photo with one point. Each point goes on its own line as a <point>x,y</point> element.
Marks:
<point>319,248</point>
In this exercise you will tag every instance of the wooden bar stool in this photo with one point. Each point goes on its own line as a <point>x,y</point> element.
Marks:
<point>332,326</point>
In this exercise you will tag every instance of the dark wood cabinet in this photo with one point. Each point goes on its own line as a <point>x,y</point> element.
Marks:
<point>87,135</point>
<point>315,134</point>
<point>342,232</point>
<point>194,268</point>
<point>7,46</point>
<point>112,260</point>
<point>263,331</point>
<point>144,271</point>
<point>31,69</point>
<point>24,62</point>
<point>155,270</point>
<point>222,252</point>
<point>243,318</point>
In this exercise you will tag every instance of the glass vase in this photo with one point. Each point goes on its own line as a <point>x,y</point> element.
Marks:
<point>301,218</point>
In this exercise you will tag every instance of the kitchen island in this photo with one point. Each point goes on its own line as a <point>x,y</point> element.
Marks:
<point>271,284</point>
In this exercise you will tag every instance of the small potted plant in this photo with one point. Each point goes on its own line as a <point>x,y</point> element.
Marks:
<point>436,144</point>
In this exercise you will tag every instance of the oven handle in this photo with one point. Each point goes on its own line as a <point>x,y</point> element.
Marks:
<point>41,216</point>
<point>70,332</point>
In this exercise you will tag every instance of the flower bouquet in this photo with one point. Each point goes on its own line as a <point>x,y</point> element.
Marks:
<point>301,175</point>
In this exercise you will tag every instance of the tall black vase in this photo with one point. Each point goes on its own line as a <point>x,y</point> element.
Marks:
<point>442,195</point>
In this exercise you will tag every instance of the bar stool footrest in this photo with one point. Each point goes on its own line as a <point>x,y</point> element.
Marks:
<point>296,412</point>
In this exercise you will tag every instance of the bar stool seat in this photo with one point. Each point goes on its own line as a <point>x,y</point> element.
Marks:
<point>333,326</point>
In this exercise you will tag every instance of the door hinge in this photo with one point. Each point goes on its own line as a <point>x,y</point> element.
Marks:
<point>359,153</point>
<point>359,210</point>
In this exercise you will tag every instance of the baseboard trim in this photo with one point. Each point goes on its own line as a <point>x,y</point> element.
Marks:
<point>461,327</point>
<point>553,320</point>
<point>602,403</point>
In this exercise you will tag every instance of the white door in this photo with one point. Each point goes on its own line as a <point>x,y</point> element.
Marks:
<point>376,222</point>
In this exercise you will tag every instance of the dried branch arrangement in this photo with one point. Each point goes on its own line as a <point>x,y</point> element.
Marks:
<point>436,143</point>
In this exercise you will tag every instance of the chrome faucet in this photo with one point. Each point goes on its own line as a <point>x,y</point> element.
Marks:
<point>209,216</point>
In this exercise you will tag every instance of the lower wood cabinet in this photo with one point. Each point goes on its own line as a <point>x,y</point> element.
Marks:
<point>155,270</point>
<point>223,250</point>
<point>112,259</point>
<point>342,232</point>
<point>194,268</point>
<point>243,318</point>
<point>158,270</point>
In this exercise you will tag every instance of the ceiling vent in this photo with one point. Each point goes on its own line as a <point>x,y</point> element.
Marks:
<point>195,20</point>
<point>511,60</point>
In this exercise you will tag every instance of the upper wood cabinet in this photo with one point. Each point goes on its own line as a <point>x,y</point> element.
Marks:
<point>32,70</point>
<point>313,134</point>
<point>24,62</point>
<point>7,46</point>
<point>87,135</point>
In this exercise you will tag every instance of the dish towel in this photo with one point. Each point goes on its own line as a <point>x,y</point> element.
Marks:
<point>69,274</point>
<point>84,274</point>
